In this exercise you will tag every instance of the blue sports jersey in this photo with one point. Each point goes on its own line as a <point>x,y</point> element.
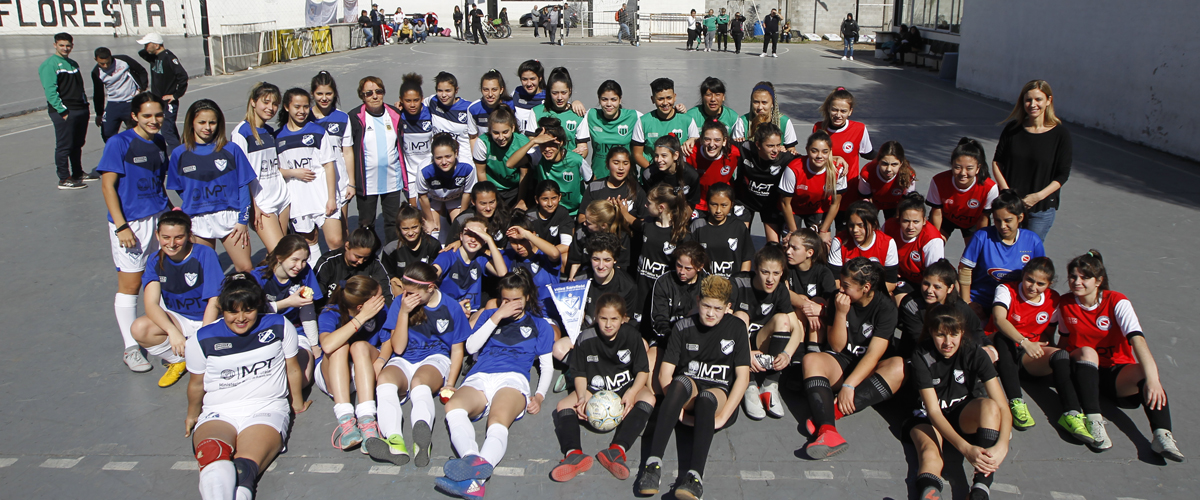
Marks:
<point>210,181</point>
<point>523,105</point>
<point>141,166</point>
<point>514,345</point>
<point>186,285</point>
<point>243,371</point>
<point>453,119</point>
<point>441,185</point>
<point>545,271</point>
<point>276,291</point>
<point>374,331</point>
<point>479,113</point>
<point>995,262</point>
<point>444,326</point>
<point>336,124</point>
<point>461,280</point>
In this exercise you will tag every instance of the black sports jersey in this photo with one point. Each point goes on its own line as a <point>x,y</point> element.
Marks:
<point>654,257</point>
<point>599,190</point>
<point>671,300</point>
<point>688,179</point>
<point>621,284</point>
<point>559,224</point>
<point>912,320</point>
<point>397,256</point>
<point>957,379</point>
<point>863,323</point>
<point>609,365</point>
<point>709,355</point>
<point>579,253</point>
<point>728,245</point>
<point>758,304</point>
<point>758,180</point>
<point>332,270</point>
<point>817,281</point>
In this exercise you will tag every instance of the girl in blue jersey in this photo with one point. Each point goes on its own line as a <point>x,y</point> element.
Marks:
<point>291,288</point>
<point>460,269</point>
<point>354,347</point>
<point>444,186</point>
<point>529,94</point>
<point>417,124</point>
<point>493,95</point>
<point>449,113</point>
<point>181,282</point>
<point>428,331</point>
<point>337,125</point>
<point>243,374</point>
<point>308,160</point>
<point>272,201</point>
<point>997,253</point>
<point>506,341</point>
<point>131,172</point>
<point>213,179</point>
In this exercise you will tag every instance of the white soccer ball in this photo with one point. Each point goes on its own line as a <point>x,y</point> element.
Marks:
<point>604,411</point>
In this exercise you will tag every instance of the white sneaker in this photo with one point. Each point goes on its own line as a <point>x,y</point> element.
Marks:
<point>136,361</point>
<point>1096,427</point>
<point>774,54</point>
<point>753,403</point>
<point>764,54</point>
<point>843,58</point>
<point>851,58</point>
<point>773,402</point>
<point>1164,444</point>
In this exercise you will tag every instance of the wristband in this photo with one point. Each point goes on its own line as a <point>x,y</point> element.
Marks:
<point>356,322</point>
<point>120,228</point>
<point>845,385</point>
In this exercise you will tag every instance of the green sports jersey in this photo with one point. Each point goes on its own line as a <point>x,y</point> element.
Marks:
<point>496,161</point>
<point>741,130</point>
<point>728,117</point>
<point>609,133</point>
<point>649,128</point>
<point>575,125</point>
<point>566,172</point>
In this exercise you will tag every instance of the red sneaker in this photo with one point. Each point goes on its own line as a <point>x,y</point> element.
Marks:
<point>613,459</point>
<point>570,466</point>
<point>827,444</point>
<point>812,429</point>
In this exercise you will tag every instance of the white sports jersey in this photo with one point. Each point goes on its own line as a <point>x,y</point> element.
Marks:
<point>243,370</point>
<point>418,133</point>
<point>454,119</point>
<point>337,125</point>
<point>269,191</point>
<point>311,148</point>
<point>380,173</point>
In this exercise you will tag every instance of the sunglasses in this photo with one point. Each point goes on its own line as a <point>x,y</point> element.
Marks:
<point>369,93</point>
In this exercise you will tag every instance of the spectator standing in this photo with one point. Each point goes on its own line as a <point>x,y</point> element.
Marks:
<point>771,33</point>
<point>849,37</point>
<point>376,24</point>
<point>535,17</point>
<point>693,30</point>
<point>477,25</point>
<point>115,80</point>
<point>723,31</point>
<point>1033,156</point>
<point>504,17</point>
<point>67,106</point>
<point>737,28</point>
<point>458,23</point>
<point>375,159</point>
<point>551,22</point>
<point>710,30</point>
<point>168,80</point>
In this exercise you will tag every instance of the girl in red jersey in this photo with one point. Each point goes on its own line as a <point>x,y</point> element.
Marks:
<point>962,196</point>
<point>862,238</point>
<point>887,179</point>
<point>918,244</point>
<point>810,191</point>
<point>1101,331</point>
<point>849,138</point>
<point>715,160</point>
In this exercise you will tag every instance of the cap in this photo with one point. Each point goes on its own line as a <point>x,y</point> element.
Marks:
<point>151,38</point>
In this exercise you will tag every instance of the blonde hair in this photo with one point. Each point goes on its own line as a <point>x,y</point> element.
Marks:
<point>1018,113</point>
<point>716,287</point>
<point>259,91</point>
<point>608,216</point>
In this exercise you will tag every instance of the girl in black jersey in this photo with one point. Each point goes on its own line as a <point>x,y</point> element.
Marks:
<point>551,221</point>
<point>600,216</point>
<point>810,283</point>
<point>726,240</point>
<point>962,404</point>
<point>485,204</point>
<point>939,285</point>
<point>861,326</point>
<point>609,356</point>
<point>604,250</point>
<point>414,245</point>
<point>763,161</point>
<point>762,301</point>
<point>671,168</point>
<point>674,296</point>
<point>619,187</point>
<point>712,355</point>
<point>664,230</point>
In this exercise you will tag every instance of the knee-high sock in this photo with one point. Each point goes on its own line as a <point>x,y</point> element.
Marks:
<point>1087,382</point>
<point>820,400</point>
<point>677,394</point>
<point>390,414</point>
<point>495,443</point>
<point>462,433</point>
<point>566,427</point>
<point>1008,366</point>
<point>985,438</point>
<point>872,391</point>
<point>775,346</point>
<point>163,351</point>
<point>125,307</point>
<point>926,479</point>
<point>633,425</point>
<point>422,405</point>
<point>1160,418</point>
<point>247,477</point>
<point>314,254</point>
<point>218,481</point>
<point>1060,366</point>
<point>705,426</point>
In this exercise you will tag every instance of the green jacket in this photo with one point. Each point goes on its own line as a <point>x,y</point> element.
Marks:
<point>722,19</point>
<point>63,83</point>
<point>710,23</point>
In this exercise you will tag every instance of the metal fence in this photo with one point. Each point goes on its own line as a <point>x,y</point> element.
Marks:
<point>304,42</point>
<point>242,46</point>
<point>663,27</point>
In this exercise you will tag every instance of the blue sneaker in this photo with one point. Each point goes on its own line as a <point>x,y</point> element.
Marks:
<point>468,467</point>
<point>471,488</point>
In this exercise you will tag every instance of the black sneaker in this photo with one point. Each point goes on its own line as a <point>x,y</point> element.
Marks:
<point>980,491</point>
<point>648,479</point>
<point>92,176</point>
<point>71,184</point>
<point>689,487</point>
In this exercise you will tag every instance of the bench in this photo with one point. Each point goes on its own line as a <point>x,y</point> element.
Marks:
<point>882,38</point>
<point>931,55</point>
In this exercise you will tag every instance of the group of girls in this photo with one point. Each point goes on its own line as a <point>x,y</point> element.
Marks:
<point>683,314</point>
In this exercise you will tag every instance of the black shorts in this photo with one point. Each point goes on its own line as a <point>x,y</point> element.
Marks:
<point>773,217</point>
<point>810,221</point>
<point>948,228</point>
<point>509,197</point>
<point>1108,387</point>
<point>953,415</point>
<point>847,362</point>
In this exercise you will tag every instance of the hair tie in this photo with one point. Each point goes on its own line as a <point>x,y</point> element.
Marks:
<point>841,88</point>
<point>769,90</point>
<point>418,282</point>
<point>177,209</point>
<point>1090,254</point>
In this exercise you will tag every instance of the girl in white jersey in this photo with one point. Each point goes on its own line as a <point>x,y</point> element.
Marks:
<point>308,160</point>
<point>272,203</point>
<point>337,125</point>
<point>450,113</point>
<point>417,124</point>
<point>244,372</point>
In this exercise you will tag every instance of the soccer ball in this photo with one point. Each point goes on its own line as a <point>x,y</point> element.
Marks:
<point>604,411</point>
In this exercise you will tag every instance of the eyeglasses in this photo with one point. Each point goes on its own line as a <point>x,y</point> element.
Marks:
<point>369,93</point>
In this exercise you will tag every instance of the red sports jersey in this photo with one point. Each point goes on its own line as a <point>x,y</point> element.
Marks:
<point>961,207</point>
<point>1105,327</point>
<point>885,195</point>
<point>848,143</point>
<point>1032,320</point>
<point>807,188</point>
<point>713,171</point>
<point>928,247</point>
<point>882,250</point>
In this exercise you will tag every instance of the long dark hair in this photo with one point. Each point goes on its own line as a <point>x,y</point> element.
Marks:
<point>944,271</point>
<point>324,78</point>
<point>287,246</point>
<point>972,149</point>
<point>189,127</point>
<point>241,292</point>
<point>906,175</point>
<point>864,271</point>
<point>1090,265</point>
<point>520,279</point>
<point>630,182</point>
<point>419,274</point>
<point>357,290</point>
<point>677,206</point>
<point>947,317</point>
<point>291,93</point>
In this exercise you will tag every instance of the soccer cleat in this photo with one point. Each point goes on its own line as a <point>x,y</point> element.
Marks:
<point>468,467</point>
<point>422,443</point>
<point>71,184</point>
<point>812,429</point>
<point>1096,428</point>
<point>753,403</point>
<point>1020,413</point>
<point>570,466</point>
<point>827,444</point>
<point>392,450</point>
<point>771,400</point>
<point>560,383</point>
<point>1164,444</point>
<point>649,479</point>
<point>931,493</point>
<point>613,459</point>
<point>470,488</point>
<point>369,429</point>
<point>346,435</point>
<point>174,373</point>
<point>1076,425</point>
<point>135,361</point>
<point>689,487</point>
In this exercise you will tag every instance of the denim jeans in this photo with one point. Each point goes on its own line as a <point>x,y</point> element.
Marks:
<point>1040,222</point>
<point>848,47</point>
<point>367,33</point>
<point>623,32</point>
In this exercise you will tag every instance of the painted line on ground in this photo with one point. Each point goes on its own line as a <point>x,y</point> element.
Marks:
<point>876,474</point>
<point>1006,488</point>
<point>5,462</point>
<point>509,471</point>
<point>818,474</point>
<point>31,129</point>
<point>186,465</point>
<point>60,463</point>
<point>119,466</point>
<point>386,470</point>
<point>757,475</point>
<point>326,468</point>
<point>1058,495</point>
<point>436,471</point>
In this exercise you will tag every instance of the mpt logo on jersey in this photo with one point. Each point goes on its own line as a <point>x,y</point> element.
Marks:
<point>145,184</point>
<point>624,356</point>
<point>766,308</point>
<point>668,247</point>
<point>526,331</point>
<point>1042,317</point>
<point>726,347</point>
<point>760,188</point>
<point>613,383</point>
<point>959,377</point>
<point>442,325</point>
<point>266,336</point>
<point>915,255</point>
<point>1103,323</point>
<point>847,147</point>
<point>190,278</point>
<point>221,164</point>
<point>308,140</point>
<point>622,130</point>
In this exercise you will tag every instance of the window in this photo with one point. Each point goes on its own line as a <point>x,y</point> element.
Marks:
<point>939,15</point>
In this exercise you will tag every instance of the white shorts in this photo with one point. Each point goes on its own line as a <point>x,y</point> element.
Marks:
<point>214,225</point>
<point>319,378</point>
<point>133,259</point>
<point>305,224</point>
<point>445,206</point>
<point>272,198</point>
<point>439,362</point>
<point>276,413</point>
<point>490,383</point>
<point>187,326</point>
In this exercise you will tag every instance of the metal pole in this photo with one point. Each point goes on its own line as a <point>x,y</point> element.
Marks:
<point>204,32</point>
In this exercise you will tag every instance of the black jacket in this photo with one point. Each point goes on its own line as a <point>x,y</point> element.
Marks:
<point>672,300</point>
<point>771,23</point>
<point>99,94</point>
<point>736,24</point>
<point>332,270</point>
<point>849,29</point>
<point>167,76</point>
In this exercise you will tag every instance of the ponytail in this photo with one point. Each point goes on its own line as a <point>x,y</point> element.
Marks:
<point>677,207</point>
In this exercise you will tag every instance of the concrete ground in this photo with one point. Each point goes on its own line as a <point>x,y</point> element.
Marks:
<point>79,424</point>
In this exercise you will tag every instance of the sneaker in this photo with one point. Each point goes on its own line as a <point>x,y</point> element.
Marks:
<point>92,176</point>
<point>931,493</point>
<point>1164,444</point>
<point>135,361</point>
<point>764,54</point>
<point>71,184</point>
<point>1096,428</point>
<point>843,58</point>
<point>174,373</point>
<point>980,491</point>
<point>1020,413</point>
<point>689,487</point>
<point>851,58</point>
<point>369,429</point>
<point>648,479</point>
<point>771,400</point>
<point>827,444</point>
<point>422,443</point>
<point>774,54</point>
<point>753,403</point>
<point>392,450</point>
<point>560,383</point>
<point>468,467</point>
<point>1076,425</point>
<point>812,429</point>
<point>570,466</point>
<point>470,488</point>
<point>613,459</point>
<point>346,435</point>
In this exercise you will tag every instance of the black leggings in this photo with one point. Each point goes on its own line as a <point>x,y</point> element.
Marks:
<point>722,40</point>
<point>737,40</point>
<point>692,37</point>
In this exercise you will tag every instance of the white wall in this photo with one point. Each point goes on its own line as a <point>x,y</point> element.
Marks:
<point>1128,68</point>
<point>137,17</point>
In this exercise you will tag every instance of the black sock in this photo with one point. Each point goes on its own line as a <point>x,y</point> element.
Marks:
<point>676,395</point>
<point>633,425</point>
<point>872,391</point>
<point>247,472</point>
<point>820,400</point>
<point>1087,382</point>
<point>775,347</point>
<point>566,426</point>
<point>1160,418</point>
<point>925,480</point>
<point>985,438</point>
<point>811,346</point>
<point>705,411</point>
<point>1060,365</point>
<point>1008,366</point>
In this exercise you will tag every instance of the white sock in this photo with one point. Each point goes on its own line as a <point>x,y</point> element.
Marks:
<point>365,409</point>
<point>218,481</point>
<point>462,433</point>
<point>163,351</point>
<point>243,493</point>
<point>343,409</point>
<point>422,405</point>
<point>125,306</point>
<point>391,414</point>
<point>314,254</point>
<point>494,444</point>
